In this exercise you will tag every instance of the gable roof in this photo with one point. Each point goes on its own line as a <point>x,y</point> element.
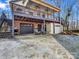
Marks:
<point>55,9</point>
<point>20,2</point>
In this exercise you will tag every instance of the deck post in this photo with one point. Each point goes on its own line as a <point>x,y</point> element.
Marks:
<point>44,26</point>
<point>53,23</point>
<point>12,22</point>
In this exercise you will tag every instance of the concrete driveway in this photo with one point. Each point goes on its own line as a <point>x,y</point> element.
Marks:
<point>33,47</point>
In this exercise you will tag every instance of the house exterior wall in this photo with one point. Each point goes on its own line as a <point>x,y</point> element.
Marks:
<point>54,28</point>
<point>17,24</point>
<point>58,28</point>
<point>51,28</point>
<point>30,9</point>
<point>39,11</point>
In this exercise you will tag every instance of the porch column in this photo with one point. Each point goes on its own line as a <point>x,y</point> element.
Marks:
<point>54,23</point>
<point>12,21</point>
<point>43,27</point>
<point>35,28</point>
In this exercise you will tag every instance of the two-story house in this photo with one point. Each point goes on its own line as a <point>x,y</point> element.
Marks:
<point>34,15</point>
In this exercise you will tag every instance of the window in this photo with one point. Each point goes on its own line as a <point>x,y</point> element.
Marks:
<point>43,15</point>
<point>15,30</point>
<point>39,27</point>
<point>37,7</point>
<point>19,9</point>
<point>46,10</point>
<point>31,13</point>
<point>38,14</point>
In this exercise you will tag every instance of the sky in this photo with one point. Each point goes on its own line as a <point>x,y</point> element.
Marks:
<point>4,6</point>
<point>64,5</point>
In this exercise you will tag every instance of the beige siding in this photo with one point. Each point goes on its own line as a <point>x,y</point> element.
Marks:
<point>49,28</point>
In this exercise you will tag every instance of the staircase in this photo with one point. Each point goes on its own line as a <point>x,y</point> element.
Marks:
<point>5,35</point>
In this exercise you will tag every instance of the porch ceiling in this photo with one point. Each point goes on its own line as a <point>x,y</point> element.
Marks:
<point>20,18</point>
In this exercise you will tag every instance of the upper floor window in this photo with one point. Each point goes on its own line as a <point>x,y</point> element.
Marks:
<point>46,10</point>
<point>38,14</point>
<point>19,9</point>
<point>37,7</point>
<point>31,13</point>
<point>43,15</point>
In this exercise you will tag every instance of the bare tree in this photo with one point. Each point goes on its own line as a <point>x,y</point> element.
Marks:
<point>2,18</point>
<point>59,6</point>
<point>68,14</point>
<point>77,14</point>
<point>77,19</point>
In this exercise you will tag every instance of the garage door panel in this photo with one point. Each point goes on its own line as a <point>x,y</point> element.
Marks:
<point>57,28</point>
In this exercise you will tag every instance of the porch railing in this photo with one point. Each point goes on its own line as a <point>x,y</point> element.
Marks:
<point>23,14</point>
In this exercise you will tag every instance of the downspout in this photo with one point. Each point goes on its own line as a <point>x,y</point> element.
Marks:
<point>53,24</point>
<point>44,26</point>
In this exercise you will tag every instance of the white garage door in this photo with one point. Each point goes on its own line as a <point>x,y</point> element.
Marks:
<point>57,28</point>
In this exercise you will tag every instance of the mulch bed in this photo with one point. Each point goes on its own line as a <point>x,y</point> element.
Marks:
<point>68,33</point>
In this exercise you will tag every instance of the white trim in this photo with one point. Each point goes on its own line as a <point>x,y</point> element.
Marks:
<point>20,2</point>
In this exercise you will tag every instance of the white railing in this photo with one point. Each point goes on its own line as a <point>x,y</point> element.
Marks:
<point>24,14</point>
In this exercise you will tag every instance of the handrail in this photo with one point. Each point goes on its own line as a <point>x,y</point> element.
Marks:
<point>33,16</point>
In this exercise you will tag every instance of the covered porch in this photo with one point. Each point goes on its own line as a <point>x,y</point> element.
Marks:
<point>23,25</point>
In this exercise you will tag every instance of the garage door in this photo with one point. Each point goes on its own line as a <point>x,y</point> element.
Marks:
<point>57,29</point>
<point>26,28</point>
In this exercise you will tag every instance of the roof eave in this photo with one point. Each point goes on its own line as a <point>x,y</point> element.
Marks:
<point>55,9</point>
